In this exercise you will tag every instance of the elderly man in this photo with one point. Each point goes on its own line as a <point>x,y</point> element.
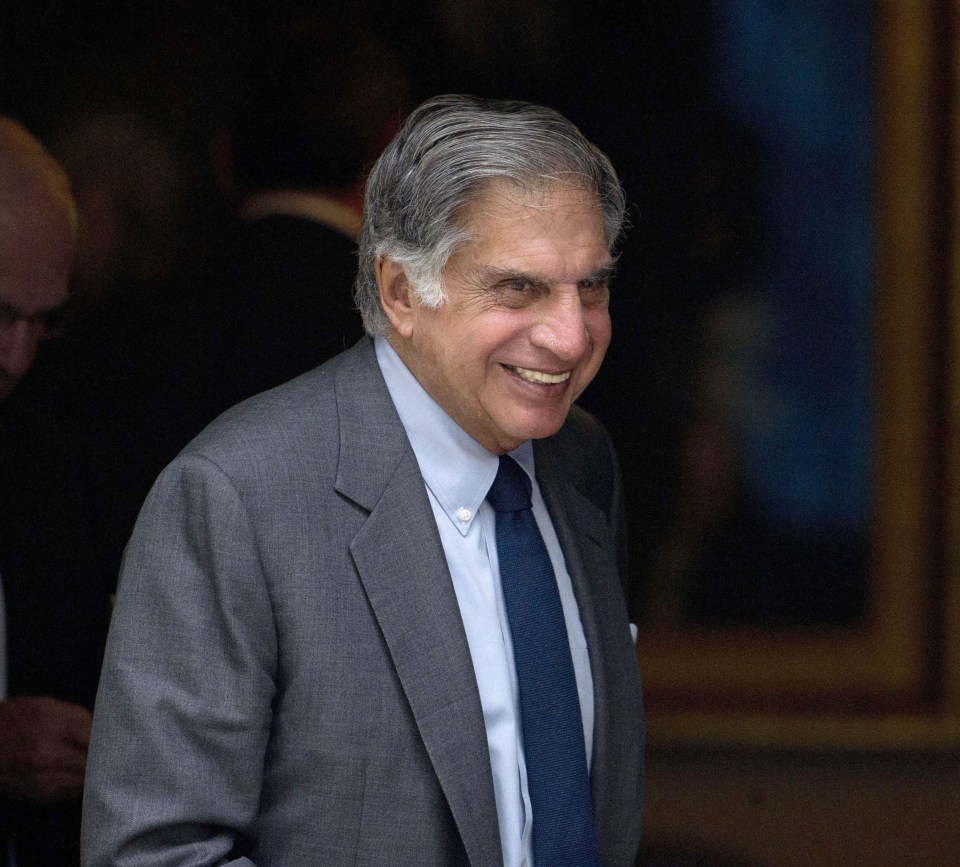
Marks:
<point>37,240</point>
<point>43,740</point>
<point>375,615</point>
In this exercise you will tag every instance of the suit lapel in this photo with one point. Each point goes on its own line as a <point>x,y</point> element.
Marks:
<point>591,562</point>
<point>401,563</point>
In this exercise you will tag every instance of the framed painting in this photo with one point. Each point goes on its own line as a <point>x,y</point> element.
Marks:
<point>881,668</point>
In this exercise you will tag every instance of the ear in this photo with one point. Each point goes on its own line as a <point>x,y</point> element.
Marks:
<point>395,295</point>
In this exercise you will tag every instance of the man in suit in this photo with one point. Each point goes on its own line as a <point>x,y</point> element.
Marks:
<point>43,739</point>
<point>318,653</point>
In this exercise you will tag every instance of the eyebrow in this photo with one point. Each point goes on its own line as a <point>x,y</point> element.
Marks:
<point>493,275</point>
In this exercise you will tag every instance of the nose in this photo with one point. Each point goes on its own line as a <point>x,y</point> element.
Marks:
<point>563,328</point>
<point>18,347</point>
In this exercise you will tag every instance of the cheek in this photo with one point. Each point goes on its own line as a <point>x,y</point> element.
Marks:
<point>600,329</point>
<point>464,359</point>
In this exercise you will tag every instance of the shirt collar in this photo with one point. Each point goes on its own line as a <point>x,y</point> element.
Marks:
<point>455,467</point>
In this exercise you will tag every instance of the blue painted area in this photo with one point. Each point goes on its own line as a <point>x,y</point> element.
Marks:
<point>798,77</point>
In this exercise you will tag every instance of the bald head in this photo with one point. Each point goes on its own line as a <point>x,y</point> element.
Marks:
<point>38,221</point>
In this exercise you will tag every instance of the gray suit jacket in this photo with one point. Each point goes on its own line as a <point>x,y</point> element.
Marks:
<point>287,679</point>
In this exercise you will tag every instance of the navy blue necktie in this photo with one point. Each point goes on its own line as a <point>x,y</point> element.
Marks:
<point>563,832</point>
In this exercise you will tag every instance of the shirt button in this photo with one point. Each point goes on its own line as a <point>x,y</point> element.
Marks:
<point>463,514</point>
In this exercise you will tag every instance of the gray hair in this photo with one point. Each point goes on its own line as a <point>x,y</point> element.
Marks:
<point>447,155</point>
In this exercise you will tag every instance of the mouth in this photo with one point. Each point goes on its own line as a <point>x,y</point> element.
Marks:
<point>538,376</point>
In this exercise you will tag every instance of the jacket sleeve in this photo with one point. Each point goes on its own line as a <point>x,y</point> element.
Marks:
<point>183,711</point>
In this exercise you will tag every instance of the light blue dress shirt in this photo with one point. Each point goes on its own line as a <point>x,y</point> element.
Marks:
<point>458,472</point>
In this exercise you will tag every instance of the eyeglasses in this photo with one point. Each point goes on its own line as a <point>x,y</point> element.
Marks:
<point>46,323</point>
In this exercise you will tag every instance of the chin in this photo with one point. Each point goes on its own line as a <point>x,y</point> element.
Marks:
<point>541,427</point>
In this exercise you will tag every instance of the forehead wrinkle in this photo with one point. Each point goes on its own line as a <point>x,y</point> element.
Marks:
<point>526,202</point>
<point>492,253</point>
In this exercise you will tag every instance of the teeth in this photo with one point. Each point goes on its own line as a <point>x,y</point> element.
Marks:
<point>540,376</point>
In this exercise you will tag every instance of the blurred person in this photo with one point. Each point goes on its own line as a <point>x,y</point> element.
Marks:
<point>38,226</point>
<point>130,181</point>
<point>377,615</point>
<point>318,100</point>
<point>43,739</point>
<point>153,355</point>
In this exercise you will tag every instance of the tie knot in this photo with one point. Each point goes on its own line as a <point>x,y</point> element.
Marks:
<point>510,491</point>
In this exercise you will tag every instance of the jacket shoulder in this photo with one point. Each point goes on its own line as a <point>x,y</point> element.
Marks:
<point>275,425</point>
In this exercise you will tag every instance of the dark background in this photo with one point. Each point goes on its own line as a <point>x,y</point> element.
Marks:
<point>641,81</point>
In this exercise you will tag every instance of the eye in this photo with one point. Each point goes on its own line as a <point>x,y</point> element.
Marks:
<point>517,291</point>
<point>594,290</point>
<point>47,323</point>
<point>519,284</point>
<point>601,281</point>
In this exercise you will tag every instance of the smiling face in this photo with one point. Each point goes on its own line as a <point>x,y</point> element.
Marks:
<point>525,325</point>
